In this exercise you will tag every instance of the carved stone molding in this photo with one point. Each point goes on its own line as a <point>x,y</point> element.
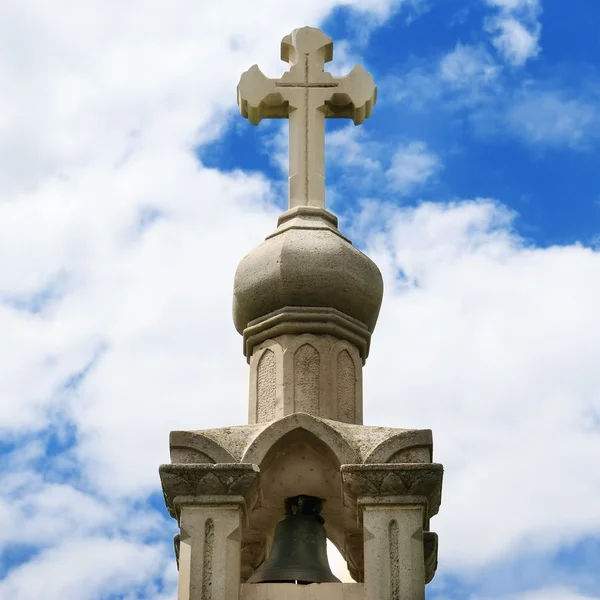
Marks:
<point>307,319</point>
<point>399,480</point>
<point>209,484</point>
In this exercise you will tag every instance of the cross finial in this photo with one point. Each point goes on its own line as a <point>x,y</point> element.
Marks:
<point>306,95</point>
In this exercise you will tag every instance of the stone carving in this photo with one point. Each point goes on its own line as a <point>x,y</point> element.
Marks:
<point>266,386</point>
<point>394,561</point>
<point>418,454</point>
<point>306,95</point>
<point>393,480</point>
<point>201,480</point>
<point>209,539</point>
<point>352,444</point>
<point>306,379</point>
<point>346,387</point>
<point>188,447</point>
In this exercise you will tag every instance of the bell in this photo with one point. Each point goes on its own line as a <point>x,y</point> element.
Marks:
<point>299,551</point>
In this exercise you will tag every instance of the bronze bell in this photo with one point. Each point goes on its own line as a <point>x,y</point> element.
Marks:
<point>299,551</point>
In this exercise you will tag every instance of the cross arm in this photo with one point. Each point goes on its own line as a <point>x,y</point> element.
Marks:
<point>258,97</point>
<point>354,98</point>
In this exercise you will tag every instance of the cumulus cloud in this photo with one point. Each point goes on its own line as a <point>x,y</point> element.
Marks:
<point>555,593</point>
<point>515,29</point>
<point>86,569</point>
<point>412,165</point>
<point>493,349</point>
<point>515,41</point>
<point>553,118</point>
<point>468,66</point>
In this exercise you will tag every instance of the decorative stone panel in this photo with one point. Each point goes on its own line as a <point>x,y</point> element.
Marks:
<point>320,375</point>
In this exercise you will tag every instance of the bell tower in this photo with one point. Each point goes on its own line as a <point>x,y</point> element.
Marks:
<point>255,503</point>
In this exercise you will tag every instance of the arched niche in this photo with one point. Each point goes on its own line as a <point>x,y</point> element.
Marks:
<point>301,455</point>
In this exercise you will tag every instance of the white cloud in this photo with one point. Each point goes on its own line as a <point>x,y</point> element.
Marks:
<point>537,113</point>
<point>528,6</point>
<point>412,165</point>
<point>549,117</point>
<point>516,29</point>
<point>468,66</point>
<point>516,42</point>
<point>554,593</point>
<point>381,10</point>
<point>86,569</point>
<point>492,345</point>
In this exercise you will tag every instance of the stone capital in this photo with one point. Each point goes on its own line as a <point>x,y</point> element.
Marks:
<point>209,484</point>
<point>399,484</point>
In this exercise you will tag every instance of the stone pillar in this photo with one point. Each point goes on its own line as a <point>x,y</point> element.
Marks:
<point>394,559</point>
<point>209,502</point>
<point>209,552</point>
<point>394,503</point>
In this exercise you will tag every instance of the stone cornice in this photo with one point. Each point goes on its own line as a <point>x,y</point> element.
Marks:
<point>307,319</point>
<point>209,484</point>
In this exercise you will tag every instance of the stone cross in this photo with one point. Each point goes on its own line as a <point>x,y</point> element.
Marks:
<point>306,95</point>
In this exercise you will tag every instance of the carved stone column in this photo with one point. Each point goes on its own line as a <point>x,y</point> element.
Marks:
<point>394,559</point>
<point>210,504</point>
<point>394,502</point>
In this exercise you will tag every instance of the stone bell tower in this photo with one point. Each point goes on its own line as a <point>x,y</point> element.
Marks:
<point>306,302</point>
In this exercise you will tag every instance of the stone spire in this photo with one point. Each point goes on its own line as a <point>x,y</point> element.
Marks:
<point>306,301</point>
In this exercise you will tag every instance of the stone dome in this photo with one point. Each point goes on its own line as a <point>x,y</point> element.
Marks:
<point>306,262</point>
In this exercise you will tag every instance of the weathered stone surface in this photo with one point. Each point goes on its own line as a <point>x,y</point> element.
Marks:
<point>308,266</point>
<point>320,446</point>
<point>203,483</point>
<point>315,591</point>
<point>315,374</point>
<point>209,552</point>
<point>394,554</point>
<point>300,320</point>
<point>395,480</point>
<point>306,95</point>
<point>430,550</point>
<point>352,444</point>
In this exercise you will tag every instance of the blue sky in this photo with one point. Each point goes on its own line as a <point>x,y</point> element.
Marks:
<point>130,187</point>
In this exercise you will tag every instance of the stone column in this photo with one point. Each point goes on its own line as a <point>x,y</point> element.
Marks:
<point>394,558</point>
<point>394,503</point>
<point>209,503</point>
<point>209,552</point>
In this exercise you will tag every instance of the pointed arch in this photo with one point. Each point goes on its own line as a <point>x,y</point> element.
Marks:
<point>259,447</point>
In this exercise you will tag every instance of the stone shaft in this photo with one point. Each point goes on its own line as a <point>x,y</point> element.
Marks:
<point>209,552</point>
<point>394,558</point>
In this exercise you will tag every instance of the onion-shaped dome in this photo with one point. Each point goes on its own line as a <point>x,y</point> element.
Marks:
<point>306,262</point>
